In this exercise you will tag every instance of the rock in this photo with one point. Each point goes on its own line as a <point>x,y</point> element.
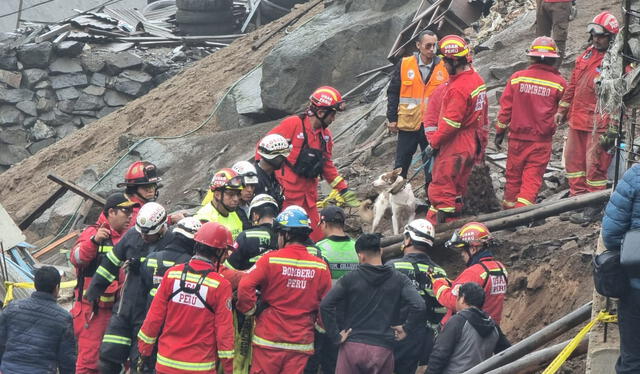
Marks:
<point>45,100</point>
<point>247,94</point>
<point>37,146</point>
<point>130,87</point>
<point>8,60</point>
<point>65,130</point>
<point>106,111</point>
<point>61,118</point>
<point>571,245</point>
<point>88,102</point>
<point>98,79</point>
<point>158,79</point>
<point>48,117</point>
<point>11,78</point>
<point>117,62</point>
<point>77,121</point>
<point>502,73</point>
<point>28,107</point>
<point>43,84</point>
<point>69,93</point>
<point>94,90</point>
<point>92,62</point>
<point>87,120</point>
<point>66,105</point>
<point>41,131</point>
<point>9,115</point>
<point>85,113</point>
<point>65,65</point>
<point>35,55</point>
<point>69,48</point>
<point>49,94</point>
<point>69,80</point>
<point>155,67</point>
<point>536,279</point>
<point>29,122</point>
<point>13,135</point>
<point>12,154</point>
<point>33,76</point>
<point>15,95</point>
<point>136,76</point>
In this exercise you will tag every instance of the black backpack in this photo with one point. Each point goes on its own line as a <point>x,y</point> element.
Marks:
<point>196,290</point>
<point>310,161</point>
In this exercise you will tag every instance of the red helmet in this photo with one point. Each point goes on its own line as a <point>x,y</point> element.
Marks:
<point>327,97</point>
<point>215,235</point>
<point>226,179</point>
<point>453,46</point>
<point>140,173</point>
<point>604,23</point>
<point>471,234</point>
<point>543,46</point>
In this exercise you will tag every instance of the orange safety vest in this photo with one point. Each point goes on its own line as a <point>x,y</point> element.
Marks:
<point>414,93</point>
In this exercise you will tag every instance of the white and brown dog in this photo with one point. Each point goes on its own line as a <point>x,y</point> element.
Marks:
<point>393,191</point>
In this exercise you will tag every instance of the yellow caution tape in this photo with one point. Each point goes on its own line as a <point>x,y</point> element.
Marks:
<point>9,286</point>
<point>603,316</point>
<point>333,198</point>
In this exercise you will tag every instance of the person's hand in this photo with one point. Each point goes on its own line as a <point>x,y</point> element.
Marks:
<point>608,139</point>
<point>102,234</point>
<point>558,119</point>
<point>399,333</point>
<point>392,126</point>
<point>429,152</point>
<point>344,334</point>
<point>350,198</point>
<point>144,364</point>
<point>175,217</point>
<point>499,139</point>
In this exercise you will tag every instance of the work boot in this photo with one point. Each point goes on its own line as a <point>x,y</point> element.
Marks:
<point>588,215</point>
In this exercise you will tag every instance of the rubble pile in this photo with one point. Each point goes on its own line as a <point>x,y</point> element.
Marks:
<point>502,15</point>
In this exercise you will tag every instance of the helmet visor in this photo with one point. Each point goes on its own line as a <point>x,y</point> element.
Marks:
<point>235,183</point>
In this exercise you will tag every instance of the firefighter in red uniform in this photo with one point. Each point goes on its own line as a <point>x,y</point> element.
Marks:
<point>90,320</point>
<point>292,282</point>
<point>310,157</point>
<point>587,160</point>
<point>527,108</point>
<point>474,240</point>
<point>458,139</point>
<point>190,316</point>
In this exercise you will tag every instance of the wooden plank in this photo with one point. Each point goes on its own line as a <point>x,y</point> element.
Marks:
<point>56,244</point>
<point>78,190</point>
<point>44,206</point>
<point>52,33</point>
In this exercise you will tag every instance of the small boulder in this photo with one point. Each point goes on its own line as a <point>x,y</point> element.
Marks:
<point>33,76</point>
<point>11,78</point>
<point>69,48</point>
<point>92,62</point>
<point>37,146</point>
<point>69,93</point>
<point>28,107</point>
<point>98,79</point>
<point>88,102</point>
<point>69,80</point>
<point>41,131</point>
<point>35,55</point>
<point>15,95</point>
<point>119,61</point>
<point>12,154</point>
<point>94,90</point>
<point>65,65</point>
<point>9,115</point>
<point>13,135</point>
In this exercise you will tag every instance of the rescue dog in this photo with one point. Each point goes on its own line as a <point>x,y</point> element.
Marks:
<point>395,192</point>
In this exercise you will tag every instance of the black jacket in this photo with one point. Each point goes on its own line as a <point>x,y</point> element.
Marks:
<point>36,337</point>
<point>371,297</point>
<point>250,245</point>
<point>468,338</point>
<point>267,183</point>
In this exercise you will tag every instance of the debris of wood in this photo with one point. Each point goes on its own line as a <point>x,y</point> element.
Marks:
<point>41,209</point>
<point>101,201</point>
<point>56,244</point>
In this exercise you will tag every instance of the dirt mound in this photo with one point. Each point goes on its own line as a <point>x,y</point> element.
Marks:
<point>180,104</point>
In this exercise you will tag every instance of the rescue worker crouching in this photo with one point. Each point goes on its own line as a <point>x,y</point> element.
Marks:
<point>90,320</point>
<point>150,233</point>
<point>226,186</point>
<point>292,282</point>
<point>414,351</point>
<point>190,316</point>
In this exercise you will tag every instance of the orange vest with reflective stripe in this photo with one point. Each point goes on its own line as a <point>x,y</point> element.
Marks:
<point>414,93</point>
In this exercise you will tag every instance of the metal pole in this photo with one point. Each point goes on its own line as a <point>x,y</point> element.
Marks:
<point>19,14</point>
<point>625,38</point>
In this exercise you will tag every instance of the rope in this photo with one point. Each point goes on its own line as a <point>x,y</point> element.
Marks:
<point>9,286</point>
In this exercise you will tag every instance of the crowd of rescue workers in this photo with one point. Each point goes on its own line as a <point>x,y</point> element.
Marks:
<point>261,280</point>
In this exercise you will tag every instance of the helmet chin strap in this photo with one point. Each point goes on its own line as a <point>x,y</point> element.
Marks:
<point>229,210</point>
<point>314,110</point>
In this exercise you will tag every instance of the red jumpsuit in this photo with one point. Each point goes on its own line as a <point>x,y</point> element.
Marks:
<point>586,161</point>
<point>489,274</point>
<point>192,335</point>
<point>299,190</point>
<point>431,115</point>
<point>292,282</point>
<point>459,141</point>
<point>527,106</point>
<point>89,323</point>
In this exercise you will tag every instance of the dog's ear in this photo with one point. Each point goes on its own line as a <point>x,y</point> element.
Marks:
<point>396,171</point>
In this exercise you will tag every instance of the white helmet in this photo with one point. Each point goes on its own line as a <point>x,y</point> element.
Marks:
<point>274,145</point>
<point>420,231</point>
<point>151,218</point>
<point>188,227</point>
<point>263,199</point>
<point>247,171</point>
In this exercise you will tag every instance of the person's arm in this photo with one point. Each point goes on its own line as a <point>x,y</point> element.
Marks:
<point>4,322</point>
<point>417,307</point>
<point>85,249</point>
<point>329,170</point>
<point>454,106</point>
<point>567,97</point>
<point>619,211</point>
<point>328,306</point>
<point>150,330</point>
<point>447,293</point>
<point>445,345</point>
<point>67,349</point>
<point>239,256</point>
<point>503,343</point>
<point>506,106</point>
<point>432,112</point>
<point>224,326</point>
<point>393,94</point>
<point>247,297</point>
<point>108,270</point>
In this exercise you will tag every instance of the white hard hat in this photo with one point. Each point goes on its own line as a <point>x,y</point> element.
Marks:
<point>151,218</point>
<point>420,231</point>
<point>247,171</point>
<point>263,199</point>
<point>188,227</point>
<point>274,145</point>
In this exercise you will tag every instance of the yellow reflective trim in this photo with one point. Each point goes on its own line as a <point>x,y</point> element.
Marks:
<point>480,88</point>
<point>108,299</point>
<point>541,82</point>
<point>257,234</point>
<point>103,272</point>
<point>598,183</point>
<point>105,248</point>
<point>564,104</point>
<point>472,227</point>
<point>510,204</point>
<point>114,260</point>
<point>403,265</point>
<point>168,263</point>
<point>297,263</point>
<point>335,182</point>
<point>501,125</point>
<point>289,346</point>
<point>447,209</point>
<point>147,339</point>
<point>177,274</point>
<point>185,365</point>
<point>153,292</point>
<point>576,174</point>
<point>483,275</point>
<point>228,265</point>
<point>524,201</point>
<point>116,339</point>
<point>452,123</point>
<point>225,354</point>
<point>152,262</point>
<point>440,291</point>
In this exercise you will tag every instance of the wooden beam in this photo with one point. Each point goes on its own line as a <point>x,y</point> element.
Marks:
<point>78,190</point>
<point>44,206</point>
<point>56,244</point>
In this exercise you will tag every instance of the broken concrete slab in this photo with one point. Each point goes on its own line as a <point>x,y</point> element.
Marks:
<point>11,78</point>
<point>15,95</point>
<point>69,93</point>
<point>9,115</point>
<point>35,55</point>
<point>69,48</point>
<point>41,131</point>
<point>69,80</point>
<point>65,65</point>
<point>28,107</point>
<point>33,76</point>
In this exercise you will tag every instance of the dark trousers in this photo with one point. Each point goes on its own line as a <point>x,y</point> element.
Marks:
<point>324,356</point>
<point>413,351</point>
<point>119,344</point>
<point>360,358</point>
<point>629,325</point>
<point>552,19</point>
<point>408,142</point>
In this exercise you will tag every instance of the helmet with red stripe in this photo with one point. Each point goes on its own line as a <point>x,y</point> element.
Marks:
<point>327,97</point>
<point>454,47</point>
<point>543,46</point>
<point>603,24</point>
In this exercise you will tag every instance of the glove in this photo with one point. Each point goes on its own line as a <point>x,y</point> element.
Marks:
<point>608,139</point>
<point>499,139</point>
<point>350,198</point>
<point>144,364</point>
<point>429,152</point>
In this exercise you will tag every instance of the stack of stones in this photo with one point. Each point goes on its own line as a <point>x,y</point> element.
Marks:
<point>48,91</point>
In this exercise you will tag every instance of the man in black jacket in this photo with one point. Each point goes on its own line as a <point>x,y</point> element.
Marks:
<point>372,296</point>
<point>36,334</point>
<point>469,337</point>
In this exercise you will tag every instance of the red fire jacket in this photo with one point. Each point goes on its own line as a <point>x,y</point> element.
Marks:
<point>463,116</point>
<point>293,184</point>
<point>579,99</point>
<point>292,282</point>
<point>494,282</point>
<point>193,337</point>
<point>431,115</point>
<point>529,102</point>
